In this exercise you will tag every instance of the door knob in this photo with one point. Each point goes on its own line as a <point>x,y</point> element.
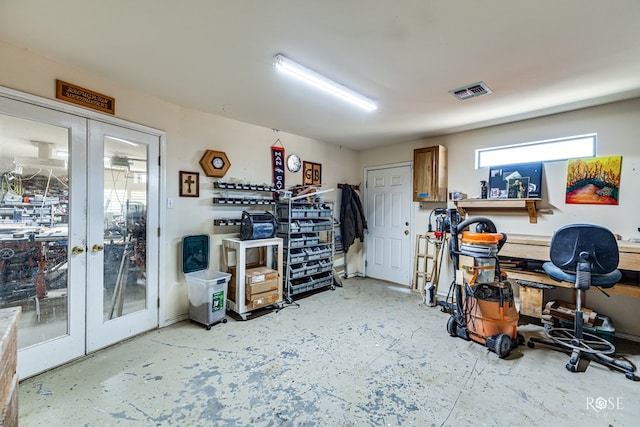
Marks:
<point>77,250</point>
<point>97,248</point>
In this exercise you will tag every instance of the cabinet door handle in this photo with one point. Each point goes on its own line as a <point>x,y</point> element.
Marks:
<point>97,248</point>
<point>77,250</point>
<point>406,232</point>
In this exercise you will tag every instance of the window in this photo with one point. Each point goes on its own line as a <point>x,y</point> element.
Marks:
<point>539,151</point>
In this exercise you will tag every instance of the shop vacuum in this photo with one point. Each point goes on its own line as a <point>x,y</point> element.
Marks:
<point>481,301</point>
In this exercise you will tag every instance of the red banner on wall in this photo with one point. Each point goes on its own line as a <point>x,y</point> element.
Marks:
<point>277,164</point>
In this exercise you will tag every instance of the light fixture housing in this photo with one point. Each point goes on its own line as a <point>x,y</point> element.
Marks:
<point>300,72</point>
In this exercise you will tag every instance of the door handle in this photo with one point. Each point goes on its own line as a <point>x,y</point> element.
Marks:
<point>77,250</point>
<point>97,248</point>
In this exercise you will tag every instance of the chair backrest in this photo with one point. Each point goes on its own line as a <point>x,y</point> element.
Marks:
<point>576,243</point>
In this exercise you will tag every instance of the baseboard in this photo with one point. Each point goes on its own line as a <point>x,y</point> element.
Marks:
<point>174,320</point>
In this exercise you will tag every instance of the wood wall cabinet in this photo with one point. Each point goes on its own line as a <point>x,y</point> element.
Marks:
<point>430,174</point>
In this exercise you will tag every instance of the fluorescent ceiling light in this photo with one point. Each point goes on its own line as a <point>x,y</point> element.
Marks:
<point>284,64</point>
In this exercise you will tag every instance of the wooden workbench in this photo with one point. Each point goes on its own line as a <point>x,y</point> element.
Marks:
<point>536,248</point>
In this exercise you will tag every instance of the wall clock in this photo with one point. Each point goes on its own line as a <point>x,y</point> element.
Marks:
<point>293,163</point>
<point>215,163</point>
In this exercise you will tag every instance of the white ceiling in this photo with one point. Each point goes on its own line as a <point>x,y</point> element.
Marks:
<point>539,57</point>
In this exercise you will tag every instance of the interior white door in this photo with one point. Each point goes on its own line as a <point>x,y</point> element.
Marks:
<point>388,241</point>
<point>43,232</point>
<point>122,242</point>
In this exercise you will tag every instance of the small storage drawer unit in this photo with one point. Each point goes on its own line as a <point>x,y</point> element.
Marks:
<point>307,232</point>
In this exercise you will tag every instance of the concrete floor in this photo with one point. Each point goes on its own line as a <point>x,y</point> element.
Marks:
<point>366,354</point>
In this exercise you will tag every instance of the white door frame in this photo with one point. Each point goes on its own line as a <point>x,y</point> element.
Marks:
<point>366,196</point>
<point>89,114</point>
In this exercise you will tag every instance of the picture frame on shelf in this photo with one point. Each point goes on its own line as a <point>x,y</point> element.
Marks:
<point>518,188</point>
<point>499,177</point>
<point>189,184</point>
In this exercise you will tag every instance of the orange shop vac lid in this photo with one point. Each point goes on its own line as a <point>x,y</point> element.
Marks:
<point>481,238</point>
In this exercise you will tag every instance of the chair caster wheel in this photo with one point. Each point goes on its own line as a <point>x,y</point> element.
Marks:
<point>224,320</point>
<point>630,375</point>
<point>208,327</point>
<point>571,368</point>
<point>531,344</point>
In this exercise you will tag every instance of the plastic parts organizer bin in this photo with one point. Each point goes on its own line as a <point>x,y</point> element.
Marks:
<point>207,289</point>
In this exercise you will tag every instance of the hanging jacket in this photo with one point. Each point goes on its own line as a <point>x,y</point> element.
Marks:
<point>352,218</point>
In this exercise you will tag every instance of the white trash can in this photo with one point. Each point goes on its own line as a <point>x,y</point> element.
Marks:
<point>207,289</point>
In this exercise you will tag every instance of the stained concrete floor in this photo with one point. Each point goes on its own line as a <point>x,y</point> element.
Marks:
<point>366,354</point>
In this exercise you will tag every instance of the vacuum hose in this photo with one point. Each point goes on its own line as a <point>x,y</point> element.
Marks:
<point>490,226</point>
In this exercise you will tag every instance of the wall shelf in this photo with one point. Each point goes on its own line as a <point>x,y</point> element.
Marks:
<point>233,198</point>
<point>466,205</point>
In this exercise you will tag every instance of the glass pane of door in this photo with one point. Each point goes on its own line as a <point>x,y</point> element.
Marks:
<point>42,240</point>
<point>125,207</point>
<point>123,210</point>
<point>35,219</point>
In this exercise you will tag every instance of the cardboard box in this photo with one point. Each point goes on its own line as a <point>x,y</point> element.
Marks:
<point>231,291</point>
<point>262,300</point>
<point>231,287</point>
<point>260,274</point>
<point>254,290</point>
<point>531,301</point>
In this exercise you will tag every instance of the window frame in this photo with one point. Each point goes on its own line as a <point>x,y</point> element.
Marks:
<point>537,147</point>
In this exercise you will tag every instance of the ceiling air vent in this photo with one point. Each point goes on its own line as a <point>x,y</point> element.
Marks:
<point>471,91</point>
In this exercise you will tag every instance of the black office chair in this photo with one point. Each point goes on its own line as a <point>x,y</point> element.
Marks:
<point>585,255</point>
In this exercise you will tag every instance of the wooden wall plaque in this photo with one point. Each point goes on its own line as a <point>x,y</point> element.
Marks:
<point>85,97</point>
<point>311,173</point>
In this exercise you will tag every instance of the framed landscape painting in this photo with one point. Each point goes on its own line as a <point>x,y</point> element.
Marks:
<point>594,181</point>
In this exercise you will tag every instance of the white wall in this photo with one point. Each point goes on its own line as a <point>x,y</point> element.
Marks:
<point>618,130</point>
<point>188,134</point>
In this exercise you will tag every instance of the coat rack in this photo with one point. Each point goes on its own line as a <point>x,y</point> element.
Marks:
<point>355,187</point>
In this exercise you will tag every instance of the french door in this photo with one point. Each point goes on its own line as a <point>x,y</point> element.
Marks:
<point>78,239</point>
<point>122,238</point>
<point>388,240</point>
